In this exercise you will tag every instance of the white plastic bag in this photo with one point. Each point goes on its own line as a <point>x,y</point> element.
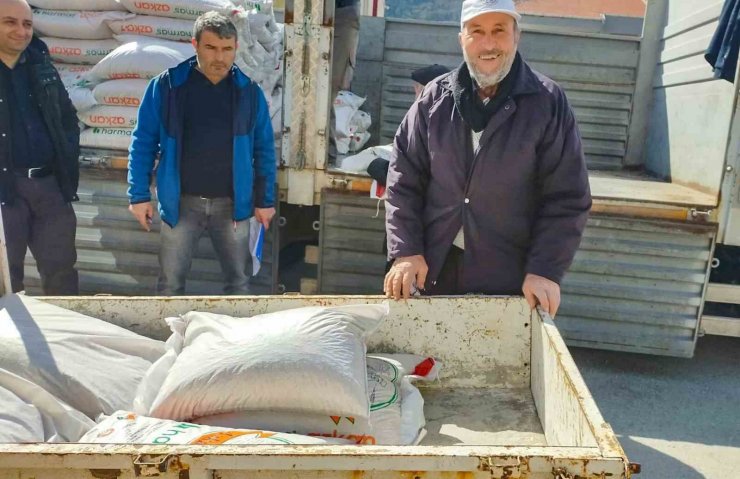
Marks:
<point>109,116</point>
<point>82,98</point>
<point>345,106</point>
<point>189,9</point>
<point>85,52</point>
<point>90,5</point>
<point>106,138</point>
<point>124,427</point>
<point>358,140</point>
<point>89,364</point>
<point>306,360</point>
<point>72,75</point>
<point>360,122</point>
<point>138,60</point>
<point>120,92</point>
<point>151,26</point>
<point>75,24</point>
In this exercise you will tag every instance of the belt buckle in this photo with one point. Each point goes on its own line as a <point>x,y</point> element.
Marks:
<point>31,170</point>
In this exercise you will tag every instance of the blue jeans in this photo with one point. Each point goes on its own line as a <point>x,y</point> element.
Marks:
<point>179,244</point>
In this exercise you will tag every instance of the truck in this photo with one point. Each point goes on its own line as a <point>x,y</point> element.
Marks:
<point>510,402</point>
<point>661,138</point>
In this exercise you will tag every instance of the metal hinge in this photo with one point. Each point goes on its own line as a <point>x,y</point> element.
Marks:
<point>151,466</point>
<point>561,473</point>
<point>700,215</point>
<point>509,468</point>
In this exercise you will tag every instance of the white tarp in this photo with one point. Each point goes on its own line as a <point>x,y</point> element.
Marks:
<point>91,365</point>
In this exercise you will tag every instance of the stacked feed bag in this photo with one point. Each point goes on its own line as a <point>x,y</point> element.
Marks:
<point>78,37</point>
<point>152,36</point>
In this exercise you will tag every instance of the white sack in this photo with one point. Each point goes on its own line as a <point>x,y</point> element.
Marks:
<point>83,25</point>
<point>109,116</point>
<point>106,138</point>
<point>44,417</point>
<point>72,75</point>
<point>138,60</point>
<point>89,364</point>
<point>306,360</point>
<point>82,98</point>
<point>160,27</point>
<point>186,49</point>
<point>358,163</point>
<point>85,52</point>
<point>120,92</point>
<point>189,9</point>
<point>396,407</point>
<point>124,427</point>
<point>95,5</point>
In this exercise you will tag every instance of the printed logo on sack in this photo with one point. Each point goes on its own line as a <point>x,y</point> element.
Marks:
<point>107,120</point>
<point>217,438</point>
<point>66,51</point>
<point>167,435</point>
<point>337,419</point>
<point>121,101</point>
<point>361,439</point>
<point>174,33</point>
<point>125,76</point>
<point>131,28</point>
<point>152,7</point>
<point>112,131</point>
<point>189,11</point>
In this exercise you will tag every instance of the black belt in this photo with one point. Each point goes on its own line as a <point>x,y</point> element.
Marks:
<point>41,172</point>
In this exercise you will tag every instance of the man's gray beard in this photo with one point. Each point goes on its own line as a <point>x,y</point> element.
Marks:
<point>488,80</point>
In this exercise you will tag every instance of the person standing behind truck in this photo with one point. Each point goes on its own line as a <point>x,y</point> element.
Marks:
<point>210,125</point>
<point>39,151</point>
<point>488,189</point>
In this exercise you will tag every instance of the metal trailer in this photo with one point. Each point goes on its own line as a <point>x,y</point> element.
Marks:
<point>510,403</point>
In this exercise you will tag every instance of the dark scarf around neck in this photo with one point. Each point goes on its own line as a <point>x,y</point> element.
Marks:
<point>472,109</point>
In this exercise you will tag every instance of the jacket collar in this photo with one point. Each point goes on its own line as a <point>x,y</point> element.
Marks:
<point>180,74</point>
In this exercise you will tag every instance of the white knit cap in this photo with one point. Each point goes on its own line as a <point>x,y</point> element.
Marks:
<point>474,8</point>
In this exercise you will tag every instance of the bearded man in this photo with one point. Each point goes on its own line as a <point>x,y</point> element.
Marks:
<point>487,188</point>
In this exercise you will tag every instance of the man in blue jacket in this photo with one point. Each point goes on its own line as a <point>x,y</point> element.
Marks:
<point>210,125</point>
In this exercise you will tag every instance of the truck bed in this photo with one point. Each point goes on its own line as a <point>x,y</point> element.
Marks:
<point>481,416</point>
<point>509,402</point>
